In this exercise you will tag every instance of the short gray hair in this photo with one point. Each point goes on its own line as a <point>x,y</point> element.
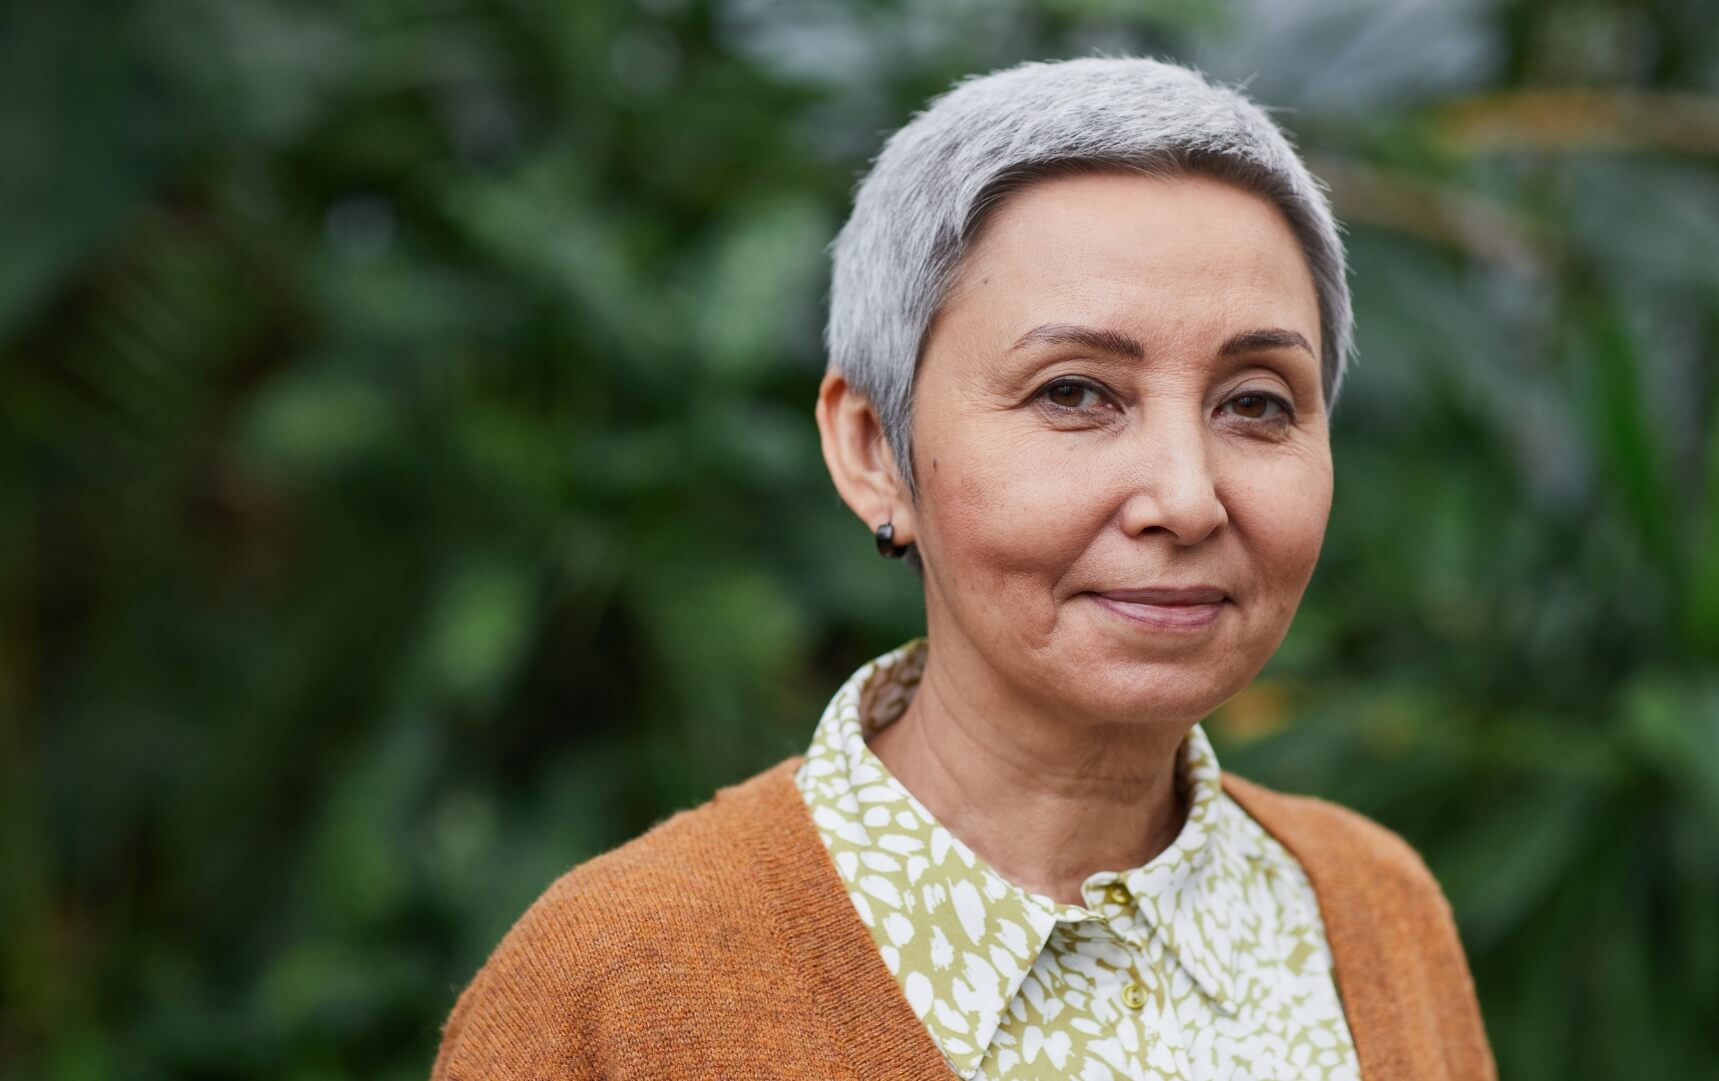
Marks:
<point>937,178</point>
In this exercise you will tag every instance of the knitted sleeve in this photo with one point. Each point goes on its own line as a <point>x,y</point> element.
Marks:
<point>520,1016</point>
<point>661,958</point>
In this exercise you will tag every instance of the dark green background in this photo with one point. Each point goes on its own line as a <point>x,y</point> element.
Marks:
<point>411,487</point>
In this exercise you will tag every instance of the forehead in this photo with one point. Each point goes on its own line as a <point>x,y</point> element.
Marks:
<point>1180,256</point>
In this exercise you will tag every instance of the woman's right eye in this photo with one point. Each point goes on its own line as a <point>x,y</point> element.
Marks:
<point>1070,394</point>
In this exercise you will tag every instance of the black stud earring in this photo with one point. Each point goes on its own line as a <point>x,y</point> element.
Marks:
<point>886,545</point>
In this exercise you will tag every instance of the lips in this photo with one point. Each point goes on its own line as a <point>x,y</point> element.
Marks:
<point>1179,608</point>
<point>1200,594</point>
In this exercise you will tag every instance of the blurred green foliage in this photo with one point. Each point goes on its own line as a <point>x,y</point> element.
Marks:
<point>411,487</point>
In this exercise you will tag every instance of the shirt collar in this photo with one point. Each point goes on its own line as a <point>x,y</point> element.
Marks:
<point>985,932</point>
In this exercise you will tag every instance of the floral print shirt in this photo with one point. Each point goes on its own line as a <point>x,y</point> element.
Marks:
<point>1209,961</point>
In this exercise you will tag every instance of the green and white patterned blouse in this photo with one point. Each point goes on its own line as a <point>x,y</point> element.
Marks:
<point>1209,961</point>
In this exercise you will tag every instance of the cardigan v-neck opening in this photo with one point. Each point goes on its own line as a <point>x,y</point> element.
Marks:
<point>880,1035</point>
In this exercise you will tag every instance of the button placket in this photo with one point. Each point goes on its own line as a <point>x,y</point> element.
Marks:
<point>1133,1011</point>
<point>1140,999</point>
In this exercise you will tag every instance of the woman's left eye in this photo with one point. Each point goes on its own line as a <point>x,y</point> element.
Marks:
<point>1258,406</point>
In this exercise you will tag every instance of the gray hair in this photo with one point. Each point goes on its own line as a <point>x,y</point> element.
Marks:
<point>937,179</point>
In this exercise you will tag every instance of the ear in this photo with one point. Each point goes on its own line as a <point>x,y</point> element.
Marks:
<point>859,458</point>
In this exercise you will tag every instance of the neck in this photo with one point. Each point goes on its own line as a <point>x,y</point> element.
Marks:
<point>1044,798</point>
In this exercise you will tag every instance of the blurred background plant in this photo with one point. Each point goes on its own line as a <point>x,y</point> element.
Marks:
<point>411,486</point>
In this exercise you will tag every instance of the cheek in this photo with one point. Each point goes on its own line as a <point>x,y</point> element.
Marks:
<point>1281,506</point>
<point>1003,516</point>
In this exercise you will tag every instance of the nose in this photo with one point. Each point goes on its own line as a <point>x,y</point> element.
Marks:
<point>1172,487</point>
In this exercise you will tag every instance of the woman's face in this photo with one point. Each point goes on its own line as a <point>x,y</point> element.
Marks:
<point>1122,393</point>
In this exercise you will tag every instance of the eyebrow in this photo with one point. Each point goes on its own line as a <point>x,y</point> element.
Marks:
<point>1250,341</point>
<point>1105,341</point>
<point>1116,342</point>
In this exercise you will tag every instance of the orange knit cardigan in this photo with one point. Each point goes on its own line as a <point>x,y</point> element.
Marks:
<point>722,944</point>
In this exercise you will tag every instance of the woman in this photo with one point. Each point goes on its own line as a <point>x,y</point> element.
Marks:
<point>1088,320</point>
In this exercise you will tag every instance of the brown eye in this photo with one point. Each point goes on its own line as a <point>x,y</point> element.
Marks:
<point>1260,406</point>
<point>1067,394</point>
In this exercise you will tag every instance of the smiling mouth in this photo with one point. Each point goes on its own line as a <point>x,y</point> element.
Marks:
<point>1193,609</point>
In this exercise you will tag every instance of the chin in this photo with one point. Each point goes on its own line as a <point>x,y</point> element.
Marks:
<point>1155,691</point>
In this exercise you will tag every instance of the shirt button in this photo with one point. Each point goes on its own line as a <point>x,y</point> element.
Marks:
<point>1116,893</point>
<point>1133,995</point>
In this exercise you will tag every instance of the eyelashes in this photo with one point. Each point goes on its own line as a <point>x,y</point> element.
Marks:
<point>1079,386</point>
<point>1079,396</point>
<point>1266,399</point>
